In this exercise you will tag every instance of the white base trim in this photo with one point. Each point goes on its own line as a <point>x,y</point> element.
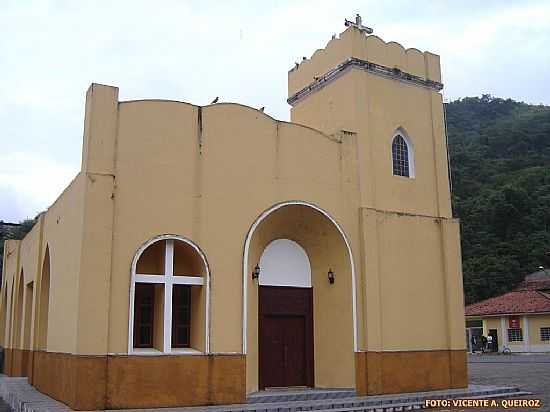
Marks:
<point>541,347</point>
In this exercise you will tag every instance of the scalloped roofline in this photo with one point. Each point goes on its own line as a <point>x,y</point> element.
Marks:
<point>366,36</point>
<point>240,105</point>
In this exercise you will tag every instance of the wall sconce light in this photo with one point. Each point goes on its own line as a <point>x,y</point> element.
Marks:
<point>330,276</point>
<point>256,272</point>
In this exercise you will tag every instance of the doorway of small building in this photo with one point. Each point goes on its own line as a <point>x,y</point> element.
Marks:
<point>493,347</point>
<point>300,326</point>
<point>474,331</point>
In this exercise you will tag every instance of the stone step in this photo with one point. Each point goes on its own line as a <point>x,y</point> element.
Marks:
<point>22,397</point>
<point>407,401</point>
<point>369,402</point>
<point>409,406</point>
<point>276,395</point>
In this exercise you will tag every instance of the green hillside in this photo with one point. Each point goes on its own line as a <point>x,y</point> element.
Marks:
<point>500,160</point>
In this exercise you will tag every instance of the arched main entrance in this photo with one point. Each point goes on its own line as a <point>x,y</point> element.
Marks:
<point>299,329</point>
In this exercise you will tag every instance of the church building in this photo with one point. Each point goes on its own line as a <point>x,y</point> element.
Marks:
<point>204,253</point>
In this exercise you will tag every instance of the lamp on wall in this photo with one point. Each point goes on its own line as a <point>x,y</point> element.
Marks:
<point>330,276</point>
<point>256,272</point>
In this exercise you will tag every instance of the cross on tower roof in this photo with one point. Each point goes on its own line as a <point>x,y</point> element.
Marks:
<point>358,24</point>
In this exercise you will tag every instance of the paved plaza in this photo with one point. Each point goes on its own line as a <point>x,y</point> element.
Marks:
<point>529,372</point>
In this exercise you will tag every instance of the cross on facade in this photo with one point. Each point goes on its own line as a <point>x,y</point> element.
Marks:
<point>358,24</point>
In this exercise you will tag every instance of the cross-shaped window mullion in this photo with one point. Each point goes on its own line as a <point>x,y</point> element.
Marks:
<point>169,279</point>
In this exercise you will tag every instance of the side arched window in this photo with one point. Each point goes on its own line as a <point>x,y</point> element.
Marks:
<point>402,161</point>
<point>169,297</point>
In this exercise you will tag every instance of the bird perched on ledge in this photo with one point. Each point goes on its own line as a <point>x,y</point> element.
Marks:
<point>215,100</point>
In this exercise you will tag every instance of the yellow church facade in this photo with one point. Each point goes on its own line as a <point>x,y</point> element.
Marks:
<point>205,253</point>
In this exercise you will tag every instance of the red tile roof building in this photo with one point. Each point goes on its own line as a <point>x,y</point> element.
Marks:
<point>531,296</point>
<point>517,321</point>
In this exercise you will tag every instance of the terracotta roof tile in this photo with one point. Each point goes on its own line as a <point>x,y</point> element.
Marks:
<point>514,302</point>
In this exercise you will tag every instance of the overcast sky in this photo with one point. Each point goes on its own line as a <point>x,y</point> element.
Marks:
<point>50,51</point>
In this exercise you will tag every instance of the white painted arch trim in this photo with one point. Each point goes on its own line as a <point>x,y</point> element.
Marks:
<point>246,274</point>
<point>187,280</point>
<point>400,131</point>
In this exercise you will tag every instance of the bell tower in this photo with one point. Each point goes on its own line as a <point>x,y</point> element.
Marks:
<point>389,98</point>
<point>361,84</point>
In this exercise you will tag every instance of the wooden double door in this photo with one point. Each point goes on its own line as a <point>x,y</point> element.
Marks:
<point>285,336</point>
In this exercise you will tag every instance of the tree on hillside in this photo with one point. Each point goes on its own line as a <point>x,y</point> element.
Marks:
<point>12,232</point>
<point>500,159</point>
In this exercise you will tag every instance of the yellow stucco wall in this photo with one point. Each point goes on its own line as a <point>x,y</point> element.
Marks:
<point>375,108</point>
<point>203,190</point>
<point>62,236</point>
<point>59,229</point>
<point>409,271</point>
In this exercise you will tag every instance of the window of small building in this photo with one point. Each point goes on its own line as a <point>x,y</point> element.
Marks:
<point>169,297</point>
<point>402,157</point>
<point>545,334</point>
<point>515,335</point>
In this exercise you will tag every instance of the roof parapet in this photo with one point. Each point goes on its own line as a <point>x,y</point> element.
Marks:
<point>354,43</point>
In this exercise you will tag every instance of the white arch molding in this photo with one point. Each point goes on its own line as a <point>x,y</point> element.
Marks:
<point>133,285</point>
<point>285,263</point>
<point>246,274</point>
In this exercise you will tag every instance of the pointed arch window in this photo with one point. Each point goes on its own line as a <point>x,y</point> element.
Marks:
<point>402,156</point>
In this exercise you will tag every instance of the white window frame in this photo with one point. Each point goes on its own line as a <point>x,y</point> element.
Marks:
<point>410,152</point>
<point>512,338</point>
<point>168,279</point>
